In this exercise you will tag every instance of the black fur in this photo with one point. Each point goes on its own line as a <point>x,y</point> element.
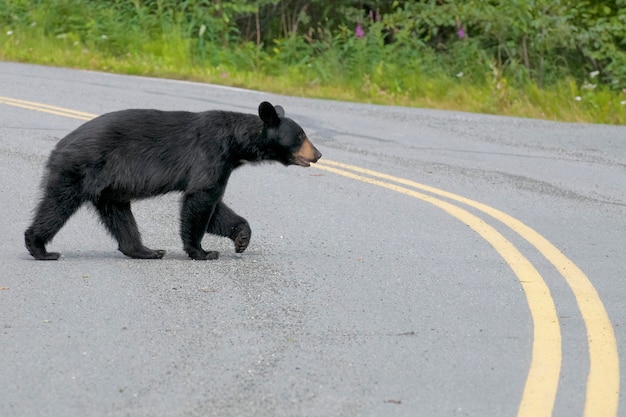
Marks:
<point>133,154</point>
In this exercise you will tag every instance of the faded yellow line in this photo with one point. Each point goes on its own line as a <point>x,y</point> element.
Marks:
<point>58,111</point>
<point>543,376</point>
<point>603,380</point>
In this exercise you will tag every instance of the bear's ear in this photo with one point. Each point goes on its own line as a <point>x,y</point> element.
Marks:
<point>280,111</point>
<point>268,114</point>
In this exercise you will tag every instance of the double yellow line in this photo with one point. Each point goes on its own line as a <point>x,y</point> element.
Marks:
<point>602,394</point>
<point>46,108</point>
<point>603,384</point>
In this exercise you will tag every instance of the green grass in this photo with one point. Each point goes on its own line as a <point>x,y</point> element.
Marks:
<point>364,76</point>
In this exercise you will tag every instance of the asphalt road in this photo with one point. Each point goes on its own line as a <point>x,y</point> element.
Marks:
<point>431,264</point>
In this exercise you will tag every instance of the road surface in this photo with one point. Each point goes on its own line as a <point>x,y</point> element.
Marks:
<point>431,264</point>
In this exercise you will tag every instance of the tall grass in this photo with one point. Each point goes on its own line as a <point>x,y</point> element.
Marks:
<point>193,40</point>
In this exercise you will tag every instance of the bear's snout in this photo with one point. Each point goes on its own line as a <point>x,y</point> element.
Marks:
<point>306,155</point>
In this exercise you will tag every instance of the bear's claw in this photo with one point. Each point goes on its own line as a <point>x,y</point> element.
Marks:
<point>37,248</point>
<point>241,237</point>
<point>199,254</point>
<point>143,253</point>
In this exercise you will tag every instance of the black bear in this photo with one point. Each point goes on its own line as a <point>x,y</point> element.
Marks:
<point>134,154</point>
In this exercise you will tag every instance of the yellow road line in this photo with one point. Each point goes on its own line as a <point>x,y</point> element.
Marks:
<point>602,396</point>
<point>58,111</point>
<point>543,377</point>
<point>603,381</point>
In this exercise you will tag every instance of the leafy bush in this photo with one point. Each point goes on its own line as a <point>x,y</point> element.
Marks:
<point>397,51</point>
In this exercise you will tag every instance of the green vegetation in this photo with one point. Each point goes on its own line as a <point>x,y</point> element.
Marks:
<point>554,59</point>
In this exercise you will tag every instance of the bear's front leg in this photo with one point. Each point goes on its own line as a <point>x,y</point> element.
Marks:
<point>225,222</point>
<point>197,209</point>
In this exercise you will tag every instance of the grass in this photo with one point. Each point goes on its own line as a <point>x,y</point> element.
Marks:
<point>322,77</point>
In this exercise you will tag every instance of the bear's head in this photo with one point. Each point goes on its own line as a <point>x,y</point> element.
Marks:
<point>287,141</point>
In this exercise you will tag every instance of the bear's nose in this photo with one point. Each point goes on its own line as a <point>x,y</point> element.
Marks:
<point>317,156</point>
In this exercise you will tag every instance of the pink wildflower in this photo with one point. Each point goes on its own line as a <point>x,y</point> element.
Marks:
<point>358,32</point>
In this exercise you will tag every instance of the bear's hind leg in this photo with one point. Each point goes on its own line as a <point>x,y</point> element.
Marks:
<point>53,211</point>
<point>120,222</point>
<point>37,247</point>
<point>225,222</point>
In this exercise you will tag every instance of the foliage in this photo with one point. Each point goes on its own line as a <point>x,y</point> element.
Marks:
<point>511,54</point>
